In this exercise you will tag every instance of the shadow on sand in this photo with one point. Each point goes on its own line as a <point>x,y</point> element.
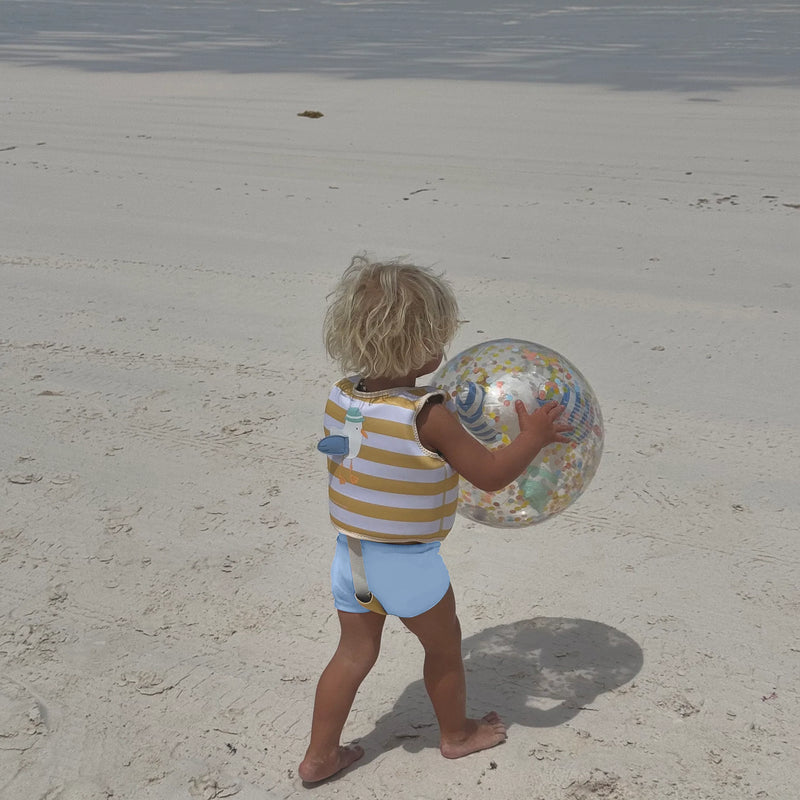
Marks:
<point>692,46</point>
<point>537,672</point>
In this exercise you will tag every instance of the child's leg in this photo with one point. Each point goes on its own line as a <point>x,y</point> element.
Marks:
<point>440,634</point>
<point>359,645</point>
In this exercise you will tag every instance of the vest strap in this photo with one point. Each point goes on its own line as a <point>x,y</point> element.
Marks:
<point>362,594</point>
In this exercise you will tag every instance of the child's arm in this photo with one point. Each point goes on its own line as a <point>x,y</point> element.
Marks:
<point>439,430</point>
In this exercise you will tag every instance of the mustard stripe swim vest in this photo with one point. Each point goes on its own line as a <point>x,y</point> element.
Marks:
<point>387,487</point>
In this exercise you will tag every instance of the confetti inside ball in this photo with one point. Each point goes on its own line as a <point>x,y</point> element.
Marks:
<point>485,381</point>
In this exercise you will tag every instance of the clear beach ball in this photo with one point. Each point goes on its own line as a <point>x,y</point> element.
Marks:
<point>485,381</point>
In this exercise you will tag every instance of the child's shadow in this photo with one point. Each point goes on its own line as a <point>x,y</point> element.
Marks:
<point>536,672</point>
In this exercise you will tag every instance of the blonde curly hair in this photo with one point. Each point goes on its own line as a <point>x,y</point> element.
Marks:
<point>386,319</point>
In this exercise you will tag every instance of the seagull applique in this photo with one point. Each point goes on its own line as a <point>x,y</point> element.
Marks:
<point>346,444</point>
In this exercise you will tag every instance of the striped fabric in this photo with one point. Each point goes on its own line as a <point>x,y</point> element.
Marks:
<point>393,490</point>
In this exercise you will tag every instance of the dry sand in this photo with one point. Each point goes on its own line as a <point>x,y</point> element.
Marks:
<point>169,229</point>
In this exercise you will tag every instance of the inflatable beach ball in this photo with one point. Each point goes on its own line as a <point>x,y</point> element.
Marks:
<point>485,381</point>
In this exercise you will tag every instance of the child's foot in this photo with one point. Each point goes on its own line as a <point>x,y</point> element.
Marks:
<point>481,734</point>
<point>317,770</point>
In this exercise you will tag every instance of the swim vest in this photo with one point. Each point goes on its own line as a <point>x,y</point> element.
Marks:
<point>393,489</point>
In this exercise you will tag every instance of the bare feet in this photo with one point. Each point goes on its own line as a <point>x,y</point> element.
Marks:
<point>312,771</point>
<point>480,734</point>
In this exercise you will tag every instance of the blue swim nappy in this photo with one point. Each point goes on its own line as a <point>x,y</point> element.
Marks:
<point>408,579</point>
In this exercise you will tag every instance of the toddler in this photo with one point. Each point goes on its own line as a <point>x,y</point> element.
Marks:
<point>395,451</point>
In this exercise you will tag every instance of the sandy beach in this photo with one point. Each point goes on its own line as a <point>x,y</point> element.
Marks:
<point>621,184</point>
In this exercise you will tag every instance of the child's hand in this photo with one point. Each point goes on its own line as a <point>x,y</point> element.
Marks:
<point>490,470</point>
<point>543,423</point>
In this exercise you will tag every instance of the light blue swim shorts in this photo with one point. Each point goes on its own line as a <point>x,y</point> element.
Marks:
<point>408,579</point>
